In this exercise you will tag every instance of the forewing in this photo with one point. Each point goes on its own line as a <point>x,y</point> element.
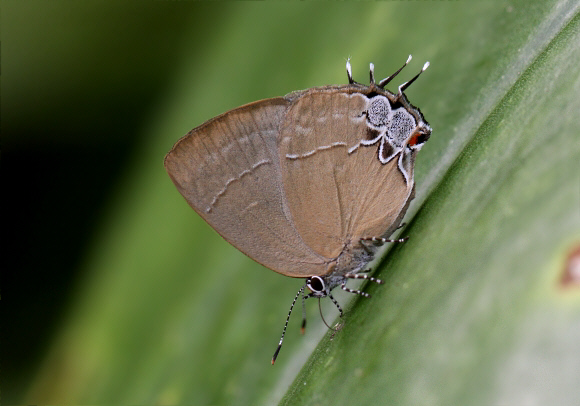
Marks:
<point>228,171</point>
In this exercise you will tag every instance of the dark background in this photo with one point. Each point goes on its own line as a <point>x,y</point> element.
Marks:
<point>71,123</point>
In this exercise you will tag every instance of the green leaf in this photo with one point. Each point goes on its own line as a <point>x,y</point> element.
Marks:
<point>473,310</point>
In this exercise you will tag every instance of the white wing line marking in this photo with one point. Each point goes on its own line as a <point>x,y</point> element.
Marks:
<point>352,149</point>
<point>247,171</point>
<point>367,143</point>
<point>321,148</point>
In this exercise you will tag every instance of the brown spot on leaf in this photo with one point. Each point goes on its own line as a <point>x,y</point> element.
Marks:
<point>571,274</point>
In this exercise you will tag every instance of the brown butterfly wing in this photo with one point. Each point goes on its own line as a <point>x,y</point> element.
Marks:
<point>228,170</point>
<point>337,190</point>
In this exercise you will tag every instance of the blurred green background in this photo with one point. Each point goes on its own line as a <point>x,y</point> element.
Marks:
<point>116,292</point>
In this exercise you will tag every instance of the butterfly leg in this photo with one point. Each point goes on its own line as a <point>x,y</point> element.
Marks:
<point>355,291</point>
<point>335,303</point>
<point>363,276</point>
<point>359,276</point>
<point>378,241</point>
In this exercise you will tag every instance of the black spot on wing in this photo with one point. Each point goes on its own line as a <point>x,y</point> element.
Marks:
<point>371,134</point>
<point>387,150</point>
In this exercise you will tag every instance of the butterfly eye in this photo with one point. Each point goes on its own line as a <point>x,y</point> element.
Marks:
<point>316,284</point>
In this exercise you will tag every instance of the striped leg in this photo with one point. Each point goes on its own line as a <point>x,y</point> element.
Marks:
<point>355,291</point>
<point>363,276</point>
<point>378,241</point>
<point>336,304</point>
<point>359,276</point>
